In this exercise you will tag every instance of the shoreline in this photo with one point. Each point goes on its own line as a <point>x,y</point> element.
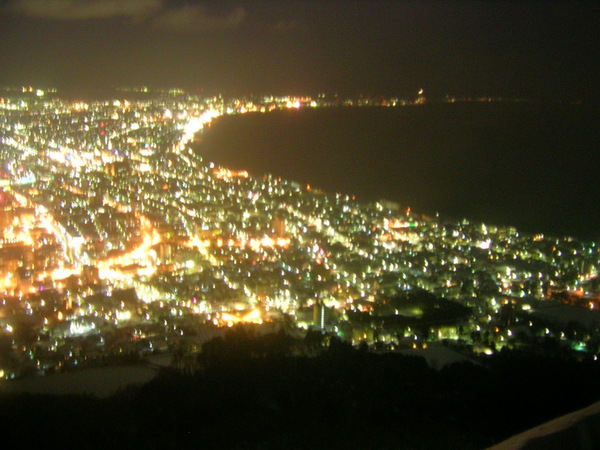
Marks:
<point>477,171</point>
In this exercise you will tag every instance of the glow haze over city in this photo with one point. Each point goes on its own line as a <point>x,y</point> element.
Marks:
<point>531,49</point>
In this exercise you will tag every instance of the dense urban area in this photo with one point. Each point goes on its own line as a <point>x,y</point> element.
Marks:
<point>118,240</point>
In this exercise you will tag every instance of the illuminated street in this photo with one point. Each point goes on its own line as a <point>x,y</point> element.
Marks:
<point>115,221</point>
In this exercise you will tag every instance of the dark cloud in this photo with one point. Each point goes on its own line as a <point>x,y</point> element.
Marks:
<point>198,18</point>
<point>161,14</point>
<point>87,9</point>
<point>284,26</point>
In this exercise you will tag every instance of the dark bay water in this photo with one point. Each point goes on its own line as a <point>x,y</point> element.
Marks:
<point>533,166</point>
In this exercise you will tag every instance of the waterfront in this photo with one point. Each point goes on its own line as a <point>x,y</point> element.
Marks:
<point>522,164</point>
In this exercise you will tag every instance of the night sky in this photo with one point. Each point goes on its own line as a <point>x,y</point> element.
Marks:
<point>378,47</point>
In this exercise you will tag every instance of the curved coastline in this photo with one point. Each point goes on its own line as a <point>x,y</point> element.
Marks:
<point>514,164</point>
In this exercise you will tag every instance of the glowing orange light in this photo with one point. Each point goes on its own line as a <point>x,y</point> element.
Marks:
<point>252,316</point>
<point>225,174</point>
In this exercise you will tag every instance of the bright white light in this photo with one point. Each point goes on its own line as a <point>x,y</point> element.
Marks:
<point>484,245</point>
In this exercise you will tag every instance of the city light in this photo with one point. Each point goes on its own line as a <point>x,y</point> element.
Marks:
<point>118,221</point>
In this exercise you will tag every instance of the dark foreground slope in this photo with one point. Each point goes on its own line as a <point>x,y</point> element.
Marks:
<point>251,392</point>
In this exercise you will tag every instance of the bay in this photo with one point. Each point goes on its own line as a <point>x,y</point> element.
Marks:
<point>529,165</point>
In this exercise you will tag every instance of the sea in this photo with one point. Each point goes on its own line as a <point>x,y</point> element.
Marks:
<point>530,165</point>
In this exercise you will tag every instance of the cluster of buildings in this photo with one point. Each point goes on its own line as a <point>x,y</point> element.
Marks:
<point>118,238</point>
